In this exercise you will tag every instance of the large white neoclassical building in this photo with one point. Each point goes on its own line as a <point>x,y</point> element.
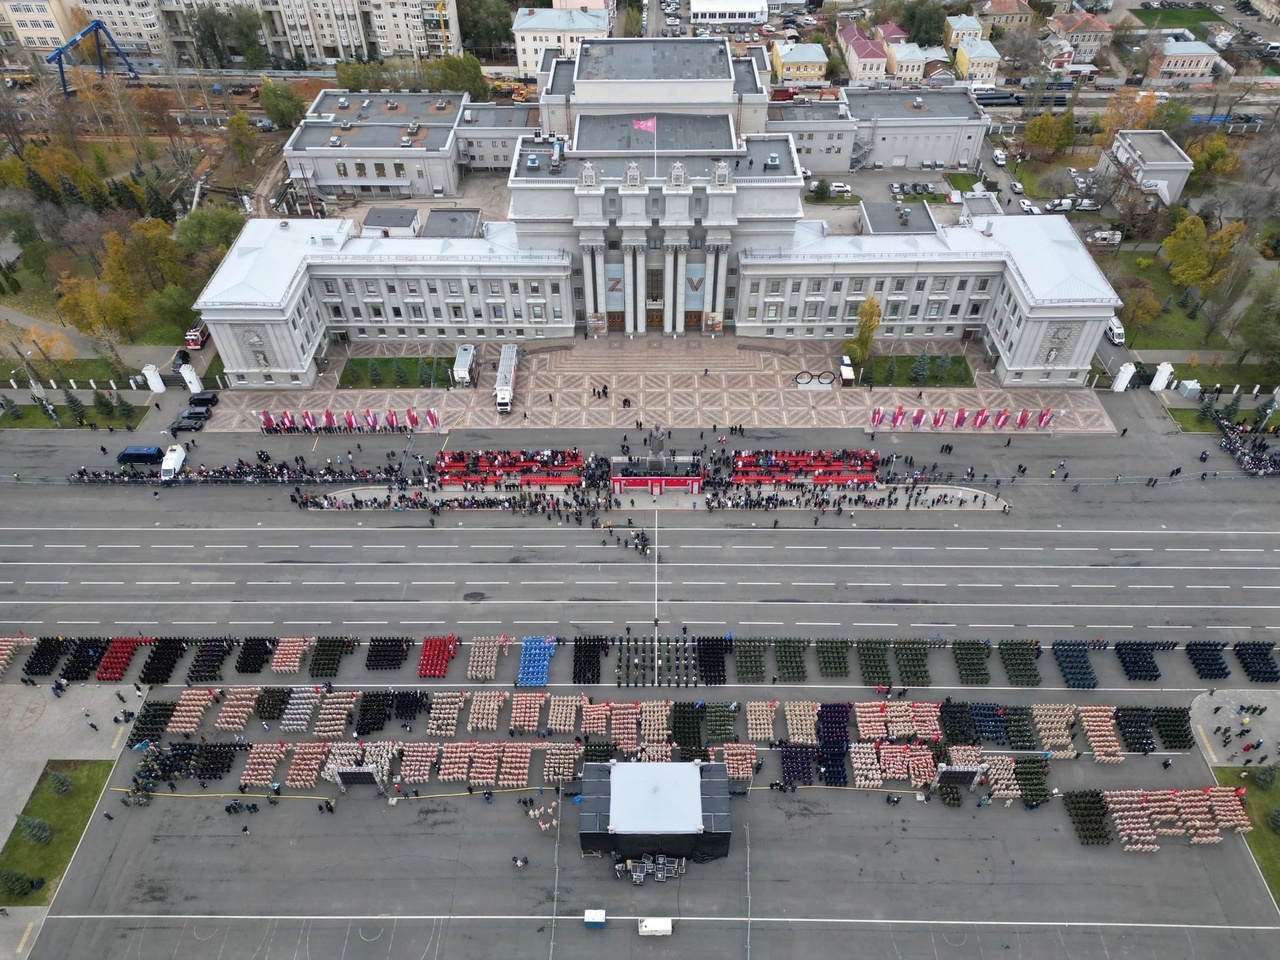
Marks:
<point>654,191</point>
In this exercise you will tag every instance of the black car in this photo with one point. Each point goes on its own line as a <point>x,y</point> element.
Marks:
<point>195,413</point>
<point>180,358</point>
<point>917,188</point>
<point>206,399</point>
<point>184,424</point>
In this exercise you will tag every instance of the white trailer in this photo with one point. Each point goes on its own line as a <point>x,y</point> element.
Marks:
<point>464,366</point>
<point>504,389</point>
<point>171,466</point>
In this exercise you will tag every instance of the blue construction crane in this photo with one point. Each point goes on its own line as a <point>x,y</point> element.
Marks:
<point>97,28</point>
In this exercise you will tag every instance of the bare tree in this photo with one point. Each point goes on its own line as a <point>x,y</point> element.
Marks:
<point>1057,182</point>
<point>1225,307</point>
<point>12,127</point>
<point>82,233</point>
<point>1022,44</point>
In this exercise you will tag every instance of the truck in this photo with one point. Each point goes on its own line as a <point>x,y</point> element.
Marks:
<point>173,459</point>
<point>504,389</point>
<point>464,366</point>
<point>196,337</point>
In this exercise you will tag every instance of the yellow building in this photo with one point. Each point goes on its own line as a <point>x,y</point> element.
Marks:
<point>963,27</point>
<point>976,60</point>
<point>799,62</point>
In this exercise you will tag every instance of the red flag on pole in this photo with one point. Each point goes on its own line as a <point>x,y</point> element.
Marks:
<point>648,126</point>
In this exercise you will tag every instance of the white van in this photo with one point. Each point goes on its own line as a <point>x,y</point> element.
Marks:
<point>1115,332</point>
<point>998,157</point>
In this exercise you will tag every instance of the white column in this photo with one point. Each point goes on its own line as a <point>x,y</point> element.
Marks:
<point>682,284</point>
<point>668,301</point>
<point>629,284</point>
<point>722,276</point>
<point>598,278</point>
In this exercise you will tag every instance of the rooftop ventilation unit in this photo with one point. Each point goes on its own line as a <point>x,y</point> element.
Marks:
<point>919,103</point>
<point>335,142</point>
<point>343,103</point>
<point>532,162</point>
<point>442,104</point>
<point>392,105</point>
<point>364,104</point>
<point>773,161</point>
<point>346,125</point>
<point>413,128</point>
<point>406,141</point>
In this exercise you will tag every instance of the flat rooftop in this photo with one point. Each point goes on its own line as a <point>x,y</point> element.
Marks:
<point>493,116</point>
<point>1155,146</point>
<point>750,163</point>
<point>452,223</point>
<point>374,106</point>
<point>792,111</point>
<point>684,58</point>
<point>886,218</point>
<point>390,217</point>
<point>674,132</point>
<point>895,105</point>
<point>317,134</point>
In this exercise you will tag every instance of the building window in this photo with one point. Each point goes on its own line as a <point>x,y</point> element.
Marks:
<point>815,286</point>
<point>983,284</point>
<point>920,282</point>
<point>360,169</point>
<point>342,170</point>
<point>837,286</point>
<point>899,285</point>
<point>330,287</point>
<point>795,286</point>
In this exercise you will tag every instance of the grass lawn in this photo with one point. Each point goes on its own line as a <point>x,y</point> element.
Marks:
<point>81,370</point>
<point>33,418</point>
<point>67,815</point>
<point>1175,18</point>
<point>1263,842</point>
<point>961,375</point>
<point>355,373</point>
<point>963,181</point>
<point>1185,417</point>
<point>1228,375</point>
<point>1173,329</point>
<point>34,300</point>
<point>834,201</point>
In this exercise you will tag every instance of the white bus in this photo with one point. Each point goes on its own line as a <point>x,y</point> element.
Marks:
<point>464,366</point>
<point>504,389</point>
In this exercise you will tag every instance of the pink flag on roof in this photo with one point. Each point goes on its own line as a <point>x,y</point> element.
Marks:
<point>648,126</point>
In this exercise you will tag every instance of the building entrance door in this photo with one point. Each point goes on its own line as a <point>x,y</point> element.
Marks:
<point>653,319</point>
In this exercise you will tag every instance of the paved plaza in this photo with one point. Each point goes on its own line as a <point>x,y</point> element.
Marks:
<point>684,383</point>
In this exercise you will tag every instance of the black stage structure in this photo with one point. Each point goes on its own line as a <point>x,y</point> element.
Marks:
<point>677,809</point>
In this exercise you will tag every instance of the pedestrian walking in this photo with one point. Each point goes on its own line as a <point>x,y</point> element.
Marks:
<point>92,726</point>
<point>245,829</point>
<point>1167,764</point>
<point>1124,431</point>
<point>104,450</point>
<point>550,398</point>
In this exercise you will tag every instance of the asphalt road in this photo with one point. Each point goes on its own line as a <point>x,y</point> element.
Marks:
<point>480,573</point>
<point>432,877</point>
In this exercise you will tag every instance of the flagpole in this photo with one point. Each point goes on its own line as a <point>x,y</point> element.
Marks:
<point>655,150</point>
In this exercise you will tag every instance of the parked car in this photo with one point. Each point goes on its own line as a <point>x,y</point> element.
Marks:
<point>1087,204</point>
<point>930,188</point>
<point>895,188</point>
<point>179,359</point>
<point>206,399</point>
<point>1025,205</point>
<point>1058,206</point>
<point>841,189</point>
<point>195,413</point>
<point>184,424</point>
<point>998,157</point>
<point>1015,187</point>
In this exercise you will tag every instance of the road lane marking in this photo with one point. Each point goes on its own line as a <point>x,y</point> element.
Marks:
<point>324,583</point>
<point>809,583</point>
<point>65,546</point>
<point>1093,586</point>
<point>759,583</point>
<point>46,583</point>
<point>157,583</point>
<point>1240,550</point>
<point>704,583</point>
<point>1006,626</point>
<point>306,623</point>
<point>377,583</point>
<point>596,583</point>
<point>1040,586</point>
<point>542,583</point>
<point>760,623</point>
<point>911,548</point>
<point>101,583</point>
<point>1150,586</point>
<point>1132,549</point>
<point>1076,549</point>
<point>979,585</point>
<point>754,546</point>
<point>277,546</point>
<point>968,548</point>
<point>1186,549</point>
<point>1022,548</point>
<point>67,623</point>
<point>812,546</point>
<point>268,583</point>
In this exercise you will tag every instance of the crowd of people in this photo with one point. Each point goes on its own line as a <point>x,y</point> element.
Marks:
<point>1252,451</point>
